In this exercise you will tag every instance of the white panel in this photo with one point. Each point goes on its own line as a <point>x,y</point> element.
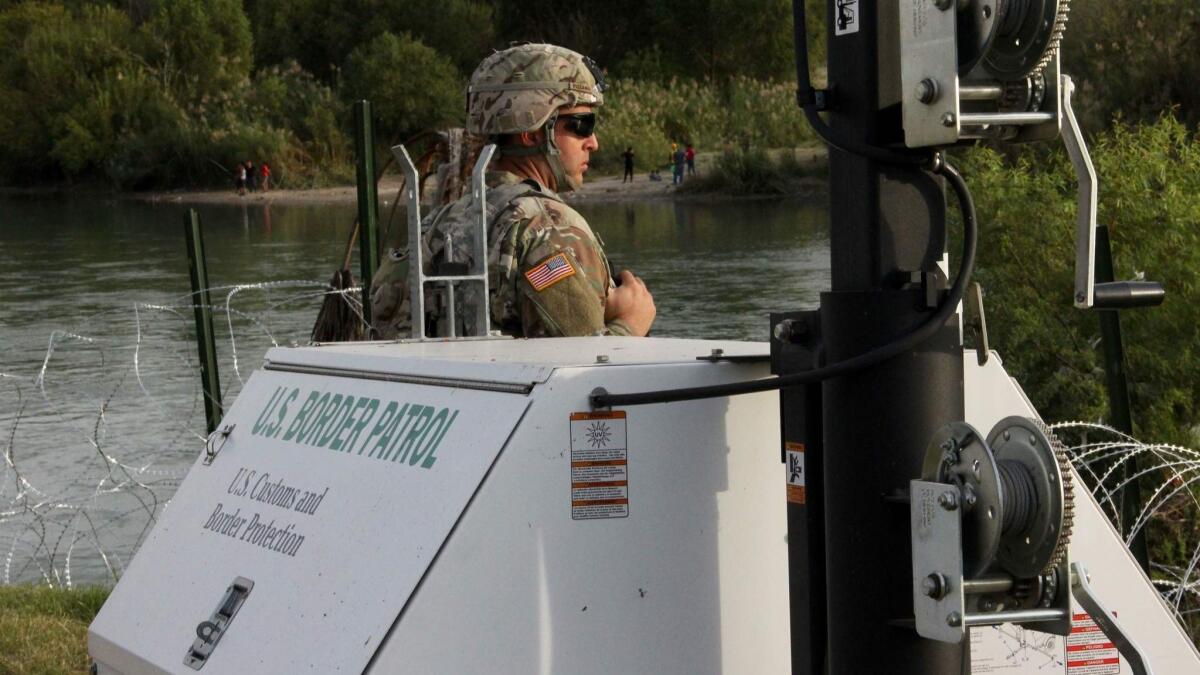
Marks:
<point>323,603</point>
<point>693,581</point>
<point>503,359</point>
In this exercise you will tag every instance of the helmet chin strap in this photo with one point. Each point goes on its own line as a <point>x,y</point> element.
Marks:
<point>548,149</point>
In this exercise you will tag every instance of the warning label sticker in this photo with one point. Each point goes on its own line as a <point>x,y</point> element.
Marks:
<point>796,473</point>
<point>1010,649</point>
<point>1089,651</point>
<point>599,465</point>
<point>846,21</point>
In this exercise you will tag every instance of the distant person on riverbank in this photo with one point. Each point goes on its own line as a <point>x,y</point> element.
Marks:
<point>251,176</point>
<point>265,173</point>
<point>677,160</point>
<point>548,274</point>
<point>690,155</point>
<point>628,157</point>
<point>655,176</point>
<point>239,179</point>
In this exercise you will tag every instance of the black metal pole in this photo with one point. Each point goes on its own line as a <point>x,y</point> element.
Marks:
<point>206,340</point>
<point>887,236</point>
<point>368,203</point>
<point>795,347</point>
<point>1118,396</point>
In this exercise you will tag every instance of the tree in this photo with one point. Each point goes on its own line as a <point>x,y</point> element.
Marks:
<point>1134,58</point>
<point>200,48</point>
<point>412,87</point>
<point>318,34</point>
<point>57,66</point>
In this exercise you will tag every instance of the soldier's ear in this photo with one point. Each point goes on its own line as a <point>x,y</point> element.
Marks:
<point>529,138</point>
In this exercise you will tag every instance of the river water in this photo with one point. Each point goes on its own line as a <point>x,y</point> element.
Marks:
<point>100,410</point>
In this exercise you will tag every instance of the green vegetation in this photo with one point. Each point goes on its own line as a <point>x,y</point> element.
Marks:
<point>153,94</point>
<point>650,115</point>
<point>755,172</point>
<point>1134,59</point>
<point>1150,199</point>
<point>44,630</point>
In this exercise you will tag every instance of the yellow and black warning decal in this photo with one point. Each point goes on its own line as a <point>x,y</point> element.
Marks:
<point>796,473</point>
<point>550,271</point>
<point>599,465</point>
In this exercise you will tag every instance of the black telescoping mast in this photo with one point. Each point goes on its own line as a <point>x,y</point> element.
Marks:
<point>865,434</point>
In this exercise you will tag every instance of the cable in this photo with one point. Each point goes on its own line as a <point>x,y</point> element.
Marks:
<point>854,364</point>
<point>806,97</point>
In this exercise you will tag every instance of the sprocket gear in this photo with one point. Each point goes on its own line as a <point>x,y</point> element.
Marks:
<point>1068,484</point>
<point>1056,36</point>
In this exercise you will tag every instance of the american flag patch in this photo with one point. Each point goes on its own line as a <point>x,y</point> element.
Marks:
<point>550,271</point>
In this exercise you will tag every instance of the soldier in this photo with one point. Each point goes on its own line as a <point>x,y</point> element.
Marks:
<point>547,272</point>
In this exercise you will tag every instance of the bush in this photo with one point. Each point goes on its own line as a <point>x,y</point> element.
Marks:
<point>1134,59</point>
<point>412,88</point>
<point>754,172</point>
<point>1150,199</point>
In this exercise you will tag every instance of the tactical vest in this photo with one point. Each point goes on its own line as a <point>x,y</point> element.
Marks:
<point>451,224</point>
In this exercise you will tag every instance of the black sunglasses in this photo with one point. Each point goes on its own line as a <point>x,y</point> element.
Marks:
<point>580,124</point>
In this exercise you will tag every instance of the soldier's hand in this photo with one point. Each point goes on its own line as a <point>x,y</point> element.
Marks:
<point>631,303</point>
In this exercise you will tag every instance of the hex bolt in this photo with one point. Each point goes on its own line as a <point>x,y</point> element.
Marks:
<point>1081,297</point>
<point>790,330</point>
<point>934,586</point>
<point>987,604</point>
<point>782,330</point>
<point>948,119</point>
<point>602,358</point>
<point>975,469</point>
<point>948,500</point>
<point>954,619</point>
<point>928,90</point>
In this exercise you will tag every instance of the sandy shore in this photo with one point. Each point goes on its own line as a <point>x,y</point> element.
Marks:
<point>598,189</point>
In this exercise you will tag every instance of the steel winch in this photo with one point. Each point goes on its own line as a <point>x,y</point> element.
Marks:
<point>991,521</point>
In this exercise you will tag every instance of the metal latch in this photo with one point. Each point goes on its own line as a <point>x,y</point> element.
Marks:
<point>211,448</point>
<point>210,632</point>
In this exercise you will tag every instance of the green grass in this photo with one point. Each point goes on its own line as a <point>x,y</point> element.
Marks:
<point>44,630</point>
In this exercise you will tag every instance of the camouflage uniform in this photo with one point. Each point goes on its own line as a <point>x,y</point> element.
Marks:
<point>547,273</point>
<point>530,226</point>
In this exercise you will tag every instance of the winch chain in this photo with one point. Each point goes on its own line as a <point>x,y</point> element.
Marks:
<point>1056,36</point>
<point>1068,482</point>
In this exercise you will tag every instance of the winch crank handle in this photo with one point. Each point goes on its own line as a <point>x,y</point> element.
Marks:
<point>1107,622</point>
<point>1089,294</point>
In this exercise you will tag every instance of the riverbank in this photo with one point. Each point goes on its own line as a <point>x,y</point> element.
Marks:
<point>598,189</point>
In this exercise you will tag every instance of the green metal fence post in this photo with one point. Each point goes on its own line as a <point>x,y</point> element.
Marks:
<point>1118,396</point>
<point>368,202</point>
<point>206,340</point>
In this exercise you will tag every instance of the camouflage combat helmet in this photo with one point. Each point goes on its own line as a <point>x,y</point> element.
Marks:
<point>522,88</point>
